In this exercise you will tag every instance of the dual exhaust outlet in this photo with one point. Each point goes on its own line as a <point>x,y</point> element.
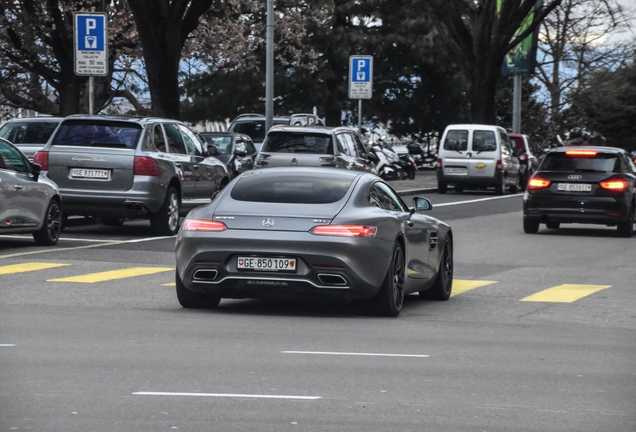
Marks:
<point>208,275</point>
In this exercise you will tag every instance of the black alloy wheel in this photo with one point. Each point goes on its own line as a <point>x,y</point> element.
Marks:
<point>166,221</point>
<point>626,229</point>
<point>390,298</point>
<point>530,226</point>
<point>49,234</point>
<point>443,285</point>
<point>192,300</point>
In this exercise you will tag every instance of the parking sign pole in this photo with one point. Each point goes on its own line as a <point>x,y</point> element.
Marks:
<point>360,82</point>
<point>360,117</point>
<point>91,94</point>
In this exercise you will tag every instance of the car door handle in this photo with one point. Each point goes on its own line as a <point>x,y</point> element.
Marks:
<point>195,166</point>
<point>178,165</point>
<point>410,223</point>
<point>17,186</point>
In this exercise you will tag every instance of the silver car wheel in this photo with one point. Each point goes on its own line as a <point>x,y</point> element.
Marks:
<point>173,212</point>
<point>50,232</point>
<point>398,278</point>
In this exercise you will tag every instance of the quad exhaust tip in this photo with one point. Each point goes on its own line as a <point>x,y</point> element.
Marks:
<point>332,279</point>
<point>205,275</point>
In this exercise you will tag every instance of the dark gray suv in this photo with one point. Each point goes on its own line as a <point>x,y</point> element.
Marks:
<point>125,167</point>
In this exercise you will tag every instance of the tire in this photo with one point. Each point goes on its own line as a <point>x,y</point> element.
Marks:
<point>500,189</point>
<point>192,300</point>
<point>626,229</point>
<point>443,285</point>
<point>442,188</point>
<point>553,225</point>
<point>166,221</point>
<point>515,187</point>
<point>459,189</point>
<point>390,298</point>
<point>113,221</point>
<point>411,175</point>
<point>530,226</point>
<point>49,234</point>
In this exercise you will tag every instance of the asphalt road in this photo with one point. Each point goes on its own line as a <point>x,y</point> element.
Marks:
<point>538,336</point>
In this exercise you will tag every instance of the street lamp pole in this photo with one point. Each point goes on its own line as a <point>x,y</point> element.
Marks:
<point>269,68</point>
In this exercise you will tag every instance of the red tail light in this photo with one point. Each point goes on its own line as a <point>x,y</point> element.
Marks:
<point>42,158</point>
<point>146,166</point>
<point>614,185</point>
<point>581,152</point>
<point>538,183</point>
<point>499,166</point>
<point>439,163</point>
<point>203,225</point>
<point>344,230</point>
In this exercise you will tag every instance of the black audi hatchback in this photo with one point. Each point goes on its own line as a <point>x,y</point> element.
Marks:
<point>589,185</point>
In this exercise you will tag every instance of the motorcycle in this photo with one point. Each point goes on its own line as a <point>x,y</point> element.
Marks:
<point>424,158</point>
<point>407,163</point>
<point>386,170</point>
<point>393,159</point>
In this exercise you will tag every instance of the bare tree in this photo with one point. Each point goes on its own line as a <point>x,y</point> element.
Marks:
<point>575,45</point>
<point>479,34</point>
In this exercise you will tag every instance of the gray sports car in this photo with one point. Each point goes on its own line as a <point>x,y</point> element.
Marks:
<point>312,233</point>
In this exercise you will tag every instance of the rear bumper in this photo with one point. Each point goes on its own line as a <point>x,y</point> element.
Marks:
<point>329,268</point>
<point>466,180</point>
<point>575,209</point>
<point>144,198</point>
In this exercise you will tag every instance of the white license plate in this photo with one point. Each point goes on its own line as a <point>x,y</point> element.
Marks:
<point>266,264</point>
<point>574,187</point>
<point>455,170</point>
<point>89,173</point>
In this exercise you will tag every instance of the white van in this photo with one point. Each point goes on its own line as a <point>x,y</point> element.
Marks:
<point>476,156</point>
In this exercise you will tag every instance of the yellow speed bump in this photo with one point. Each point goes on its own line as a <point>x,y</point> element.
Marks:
<point>461,286</point>
<point>113,274</point>
<point>566,293</point>
<point>27,267</point>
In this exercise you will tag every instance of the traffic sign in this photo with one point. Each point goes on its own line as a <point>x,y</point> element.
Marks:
<point>360,77</point>
<point>91,43</point>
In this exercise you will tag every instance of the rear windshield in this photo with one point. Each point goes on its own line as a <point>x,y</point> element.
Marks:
<point>28,132</point>
<point>291,188</point>
<point>484,141</point>
<point>94,133</point>
<point>223,143</point>
<point>456,140</point>
<point>298,142</point>
<point>255,129</point>
<point>602,162</point>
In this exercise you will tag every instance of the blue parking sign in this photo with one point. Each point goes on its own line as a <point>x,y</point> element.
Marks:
<point>360,77</point>
<point>91,43</point>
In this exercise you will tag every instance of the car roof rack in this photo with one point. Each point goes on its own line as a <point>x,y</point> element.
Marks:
<point>249,115</point>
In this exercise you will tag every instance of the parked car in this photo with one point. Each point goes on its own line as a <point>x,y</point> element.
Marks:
<point>126,167</point>
<point>29,134</point>
<point>312,233</point>
<point>473,155</point>
<point>321,146</point>
<point>590,185</point>
<point>253,125</point>
<point>235,150</point>
<point>29,202</point>
<point>525,151</point>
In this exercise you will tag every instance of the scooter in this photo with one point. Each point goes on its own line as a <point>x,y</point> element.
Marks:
<point>385,169</point>
<point>407,163</point>
<point>393,159</point>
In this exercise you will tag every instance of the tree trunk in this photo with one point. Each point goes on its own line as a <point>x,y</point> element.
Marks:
<point>482,95</point>
<point>69,90</point>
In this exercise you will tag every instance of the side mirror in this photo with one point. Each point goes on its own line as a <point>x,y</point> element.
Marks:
<point>37,169</point>
<point>421,204</point>
<point>213,150</point>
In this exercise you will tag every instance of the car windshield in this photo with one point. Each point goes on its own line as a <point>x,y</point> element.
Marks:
<point>484,141</point>
<point>255,129</point>
<point>94,133</point>
<point>291,188</point>
<point>602,162</point>
<point>456,140</point>
<point>518,144</point>
<point>298,142</point>
<point>223,143</point>
<point>28,132</point>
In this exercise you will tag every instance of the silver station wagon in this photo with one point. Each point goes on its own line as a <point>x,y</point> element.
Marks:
<point>125,167</point>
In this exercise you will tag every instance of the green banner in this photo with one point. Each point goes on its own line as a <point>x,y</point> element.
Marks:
<point>522,58</point>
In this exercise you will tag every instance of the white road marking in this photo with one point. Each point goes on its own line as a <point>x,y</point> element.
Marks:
<point>355,354</point>
<point>476,200</point>
<point>227,395</point>
<point>6,345</point>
